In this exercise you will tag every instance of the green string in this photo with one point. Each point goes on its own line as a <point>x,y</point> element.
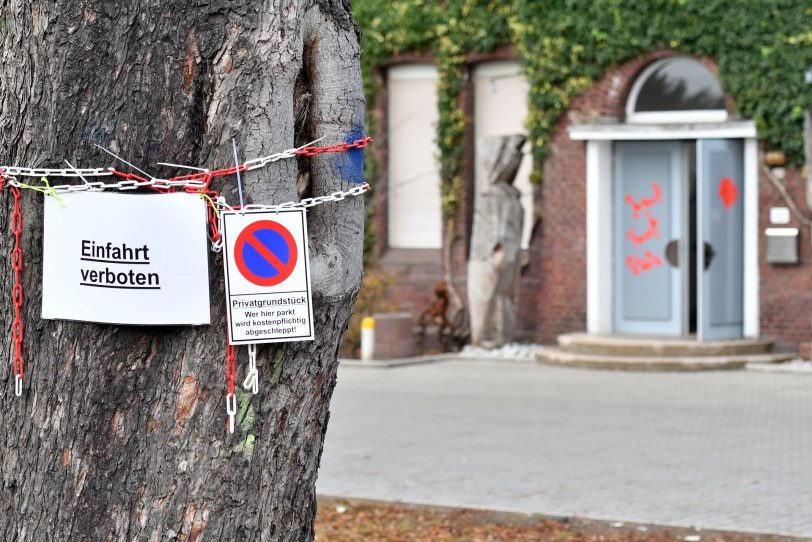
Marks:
<point>211,202</point>
<point>47,190</point>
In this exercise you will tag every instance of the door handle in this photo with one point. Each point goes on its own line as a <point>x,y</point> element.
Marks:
<point>672,252</point>
<point>709,254</point>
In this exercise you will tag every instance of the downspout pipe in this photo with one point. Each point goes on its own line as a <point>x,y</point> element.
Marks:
<point>808,144</point>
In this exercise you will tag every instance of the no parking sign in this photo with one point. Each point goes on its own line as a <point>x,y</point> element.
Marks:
<point>267,276</point>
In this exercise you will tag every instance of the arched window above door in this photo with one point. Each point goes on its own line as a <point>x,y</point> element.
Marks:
<point>676,90</point>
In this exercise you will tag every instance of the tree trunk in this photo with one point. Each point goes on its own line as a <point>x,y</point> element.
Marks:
<point>496,243</point>
<point>121,431</point>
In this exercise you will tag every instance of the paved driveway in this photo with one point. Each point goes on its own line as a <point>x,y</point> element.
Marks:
<point>725,450</point>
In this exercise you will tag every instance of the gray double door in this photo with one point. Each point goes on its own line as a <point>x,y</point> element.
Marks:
<point>679,238</point>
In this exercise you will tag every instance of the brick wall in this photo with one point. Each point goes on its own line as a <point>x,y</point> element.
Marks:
<point>785,291</point>
<point>414,274</point>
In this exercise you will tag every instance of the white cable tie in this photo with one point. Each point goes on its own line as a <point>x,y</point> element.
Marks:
<point>237,169</point>
<point>18,385</point>
<point>221,202</point>
<point>231,410</point>
<point>77,172</point>
<point>111,153</point>
<point>309,144</point>
<point>183,167</point>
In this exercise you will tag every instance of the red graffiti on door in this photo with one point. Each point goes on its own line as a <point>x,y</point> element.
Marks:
<point>645,202</point>
<point>652,231</point>
<point>728,192</point>
<point>635,263</point>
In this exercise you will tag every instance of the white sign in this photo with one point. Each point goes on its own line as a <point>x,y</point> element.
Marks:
<point>126,259</point>
<point>267,276</point>
<point>779,215</point>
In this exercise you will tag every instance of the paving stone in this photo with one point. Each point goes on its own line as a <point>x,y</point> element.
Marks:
<point>723,450</point>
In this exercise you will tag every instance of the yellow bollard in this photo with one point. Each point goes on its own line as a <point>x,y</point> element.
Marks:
<point>368,339</point>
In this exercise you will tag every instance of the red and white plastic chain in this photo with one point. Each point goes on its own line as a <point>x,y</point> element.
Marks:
<point>231,375</point>
<point>132,181</point>
<point>17,289</point>
<point>198,183</point>
<point>17,293</point>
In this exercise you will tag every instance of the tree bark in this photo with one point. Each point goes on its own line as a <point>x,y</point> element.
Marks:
<point>121,431</point>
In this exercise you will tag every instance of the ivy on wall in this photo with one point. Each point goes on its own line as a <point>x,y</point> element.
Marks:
<point>449,30</point>
<point>761,47</point>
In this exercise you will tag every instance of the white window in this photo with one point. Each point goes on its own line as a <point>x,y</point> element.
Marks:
<point>500,94</point>
<point>414,206</point>
<point>676,90</point>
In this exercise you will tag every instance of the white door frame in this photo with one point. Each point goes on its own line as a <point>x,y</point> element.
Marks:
<point>599,234</point>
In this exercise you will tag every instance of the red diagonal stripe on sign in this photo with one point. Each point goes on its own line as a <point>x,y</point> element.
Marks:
<point>268,255</point>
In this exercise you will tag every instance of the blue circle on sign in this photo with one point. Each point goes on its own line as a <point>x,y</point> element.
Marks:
<point>265,253</point>
<point>256,262</point>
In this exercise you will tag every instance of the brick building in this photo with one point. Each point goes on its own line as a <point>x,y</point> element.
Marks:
<point>652,219</point>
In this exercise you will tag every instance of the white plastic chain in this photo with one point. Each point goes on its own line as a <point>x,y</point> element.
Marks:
<point>231,410</point>
<point>99,186</point>
<point>252,375</point>
<point>303,204</point>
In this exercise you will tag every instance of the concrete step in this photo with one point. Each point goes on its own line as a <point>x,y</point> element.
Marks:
<point>626,345</point>
<point>557,356</point>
